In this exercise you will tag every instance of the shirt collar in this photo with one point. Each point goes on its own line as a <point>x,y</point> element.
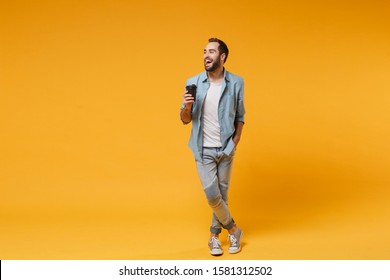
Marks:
<point>205,78</point>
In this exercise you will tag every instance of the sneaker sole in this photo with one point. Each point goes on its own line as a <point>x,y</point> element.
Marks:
<point>216,253</point>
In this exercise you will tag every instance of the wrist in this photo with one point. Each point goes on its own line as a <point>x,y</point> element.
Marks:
<point>187,108</point>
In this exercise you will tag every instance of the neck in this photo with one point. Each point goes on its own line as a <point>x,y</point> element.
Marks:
<point>216,75</point>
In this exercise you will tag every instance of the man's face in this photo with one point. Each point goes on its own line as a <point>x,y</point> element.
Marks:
<point>212,58</point>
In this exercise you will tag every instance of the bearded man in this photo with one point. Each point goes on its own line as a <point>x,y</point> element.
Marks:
<point>217,115</point>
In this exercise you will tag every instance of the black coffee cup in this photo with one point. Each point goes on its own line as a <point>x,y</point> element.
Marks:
<point>191,90</point>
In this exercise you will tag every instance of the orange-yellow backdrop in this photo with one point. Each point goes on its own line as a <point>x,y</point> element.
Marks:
<point>94,161</point>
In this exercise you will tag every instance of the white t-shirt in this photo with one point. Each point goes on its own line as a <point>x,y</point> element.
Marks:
<point>211,129</point>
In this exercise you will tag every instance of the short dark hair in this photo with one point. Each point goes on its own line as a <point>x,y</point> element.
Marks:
<point>222,48</point>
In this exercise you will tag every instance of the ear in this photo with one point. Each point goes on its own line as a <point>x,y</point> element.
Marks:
<point>223,57</point>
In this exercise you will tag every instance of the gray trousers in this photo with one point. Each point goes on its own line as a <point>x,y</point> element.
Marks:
<point>214,172</point>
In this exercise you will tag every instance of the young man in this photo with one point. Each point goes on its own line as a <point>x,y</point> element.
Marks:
<point>217,116</point>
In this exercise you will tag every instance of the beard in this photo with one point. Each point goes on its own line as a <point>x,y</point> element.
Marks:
<point>214,65</point>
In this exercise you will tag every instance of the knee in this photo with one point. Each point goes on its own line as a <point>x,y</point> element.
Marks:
<point>215,200</point>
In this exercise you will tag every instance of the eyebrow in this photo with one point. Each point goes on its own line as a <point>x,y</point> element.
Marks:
<point>210,49</point>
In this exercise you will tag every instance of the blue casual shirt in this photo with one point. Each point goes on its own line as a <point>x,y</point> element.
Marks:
<point>230,110</point>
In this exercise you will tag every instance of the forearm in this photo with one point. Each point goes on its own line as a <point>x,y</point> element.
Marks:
<point>238,130</point>
<point>185,115</point>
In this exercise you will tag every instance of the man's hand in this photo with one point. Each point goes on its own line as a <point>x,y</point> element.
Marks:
<point>185,113</point>
<point>188,100</point>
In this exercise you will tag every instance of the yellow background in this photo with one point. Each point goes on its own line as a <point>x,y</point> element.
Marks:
<point>94,160</point>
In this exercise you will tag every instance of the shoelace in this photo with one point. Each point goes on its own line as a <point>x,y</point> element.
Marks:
<point>215,242</point>
<point>233,240</point>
